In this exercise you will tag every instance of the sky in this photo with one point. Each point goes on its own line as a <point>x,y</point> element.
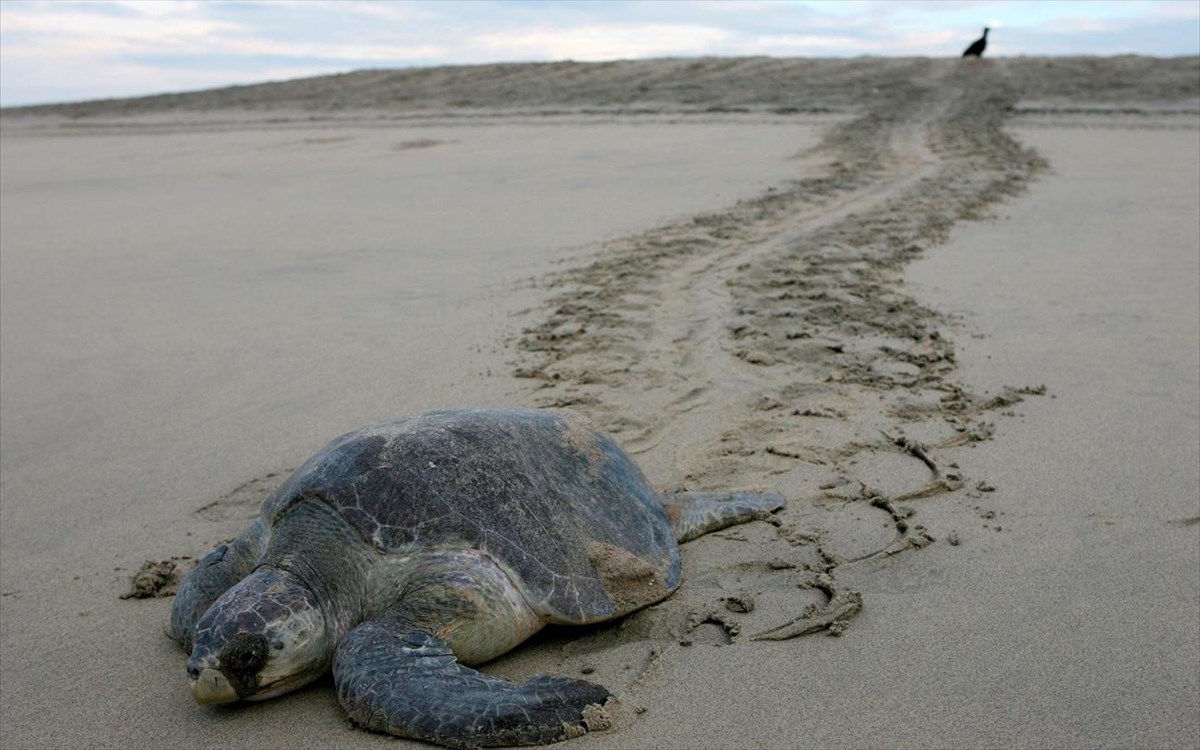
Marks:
<point>70,50</point>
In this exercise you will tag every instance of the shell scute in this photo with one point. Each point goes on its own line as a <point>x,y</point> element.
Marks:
<point>539,491</point>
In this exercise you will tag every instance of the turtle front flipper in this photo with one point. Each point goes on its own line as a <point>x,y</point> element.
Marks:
<point>215,574</point>
<point>694,514</point>
<point>409,683</point>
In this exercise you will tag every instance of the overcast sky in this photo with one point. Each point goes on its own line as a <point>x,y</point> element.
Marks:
<point>63,50</point>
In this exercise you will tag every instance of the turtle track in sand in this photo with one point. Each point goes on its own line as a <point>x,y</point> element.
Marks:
<point>773,314</point>
<point>774,343</point>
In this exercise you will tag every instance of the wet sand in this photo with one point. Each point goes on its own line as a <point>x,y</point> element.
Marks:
<point>987,429</point>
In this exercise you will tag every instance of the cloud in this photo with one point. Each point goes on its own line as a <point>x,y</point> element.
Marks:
<point>71,32</point>
<point>609,42</point>
<point>811,45</point>
<point>1173,11</point>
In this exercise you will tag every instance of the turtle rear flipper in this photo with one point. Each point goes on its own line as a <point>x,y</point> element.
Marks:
<point>408,683</point>
<point>694,514</point>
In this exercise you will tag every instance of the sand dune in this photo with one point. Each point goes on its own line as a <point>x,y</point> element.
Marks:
<point>691,83</point>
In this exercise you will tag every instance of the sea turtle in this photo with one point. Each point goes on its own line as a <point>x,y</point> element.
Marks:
<point>404,551</point>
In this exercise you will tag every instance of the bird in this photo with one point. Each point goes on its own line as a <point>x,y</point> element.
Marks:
<point>978,46</point>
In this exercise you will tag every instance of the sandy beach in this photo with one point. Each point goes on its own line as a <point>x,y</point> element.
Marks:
<point>950,310</point>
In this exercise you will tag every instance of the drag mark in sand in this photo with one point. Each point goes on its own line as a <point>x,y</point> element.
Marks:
<point>774,341</point>
<point>703,315</point>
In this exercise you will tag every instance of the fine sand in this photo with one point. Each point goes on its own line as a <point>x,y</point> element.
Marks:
<point>950,310</point>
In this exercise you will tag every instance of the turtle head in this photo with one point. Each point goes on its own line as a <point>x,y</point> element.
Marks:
<point>262,638</point>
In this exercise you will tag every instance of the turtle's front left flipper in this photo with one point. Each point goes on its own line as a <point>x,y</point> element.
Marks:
<point>408,683</point>
<point>215,574</point>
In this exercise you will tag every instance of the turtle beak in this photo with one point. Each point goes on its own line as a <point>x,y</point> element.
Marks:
<point>211,687</point>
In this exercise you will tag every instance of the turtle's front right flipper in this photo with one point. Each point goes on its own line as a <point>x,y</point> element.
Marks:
<point>215,574</point>
<point>408,683</point>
